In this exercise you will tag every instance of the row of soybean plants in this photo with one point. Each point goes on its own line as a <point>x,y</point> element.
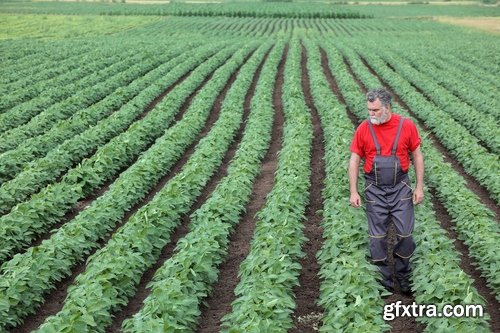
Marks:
<point>35,85</point>
<point>55,73</point>
<point>464,67</point>
<point>481,125</point>
<point>22,59</point>
<point>55,96</point>
<point>264,296</point>
<point>30,79</point>
<point>474,222</point>
<point>107,83</point>
<point>437,277</point>
<point>77,137</point>
<point>29,219</point>
<point>476,160</point>
<point>476,93</point>
<point>33,273</point>
<point>288,10</point>
<point>183,281</point>
<point>26,146</point>
<point>349,292</point>
<point>113,272</point>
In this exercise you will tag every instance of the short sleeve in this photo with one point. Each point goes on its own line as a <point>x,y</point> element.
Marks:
<point>414,137</point>
<point>357,143</point>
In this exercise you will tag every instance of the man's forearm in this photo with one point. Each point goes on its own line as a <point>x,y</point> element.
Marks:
<point>418,161</point>
<point>353,174</point>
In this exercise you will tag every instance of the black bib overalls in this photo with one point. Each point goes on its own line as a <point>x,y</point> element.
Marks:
<point>388,196</point>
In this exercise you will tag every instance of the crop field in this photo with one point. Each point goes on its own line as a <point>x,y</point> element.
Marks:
<point>183,167</point>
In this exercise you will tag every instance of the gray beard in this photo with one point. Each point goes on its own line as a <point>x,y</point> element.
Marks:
<point>380,120</point>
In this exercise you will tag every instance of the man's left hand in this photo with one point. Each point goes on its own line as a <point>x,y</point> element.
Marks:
<point>418,196</point>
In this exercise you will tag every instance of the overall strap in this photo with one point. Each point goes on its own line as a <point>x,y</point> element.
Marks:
<point>395,145</point>
<point>377,146</point>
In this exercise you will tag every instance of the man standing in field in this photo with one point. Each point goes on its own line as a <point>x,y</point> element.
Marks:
<point>385,141</point>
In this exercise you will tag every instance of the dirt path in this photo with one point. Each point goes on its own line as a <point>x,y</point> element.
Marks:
<point>307,313</point>
<point>55,299</point>
<point>445,220</point>
<point>399,324</point>
<point>219,303</point>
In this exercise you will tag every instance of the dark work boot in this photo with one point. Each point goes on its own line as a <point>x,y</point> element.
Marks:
<point>403,272</point>
<point>404,285</point>
<point>386,275</point>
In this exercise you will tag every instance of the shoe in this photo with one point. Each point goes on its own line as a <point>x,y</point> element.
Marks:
<point>404,286</point>
<point>389,289</point>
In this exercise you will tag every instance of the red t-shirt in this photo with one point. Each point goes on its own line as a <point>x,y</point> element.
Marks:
<point>363,145</point>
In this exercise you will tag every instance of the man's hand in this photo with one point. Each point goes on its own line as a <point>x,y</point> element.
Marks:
<point>418,196</point>
<point>355,200</point>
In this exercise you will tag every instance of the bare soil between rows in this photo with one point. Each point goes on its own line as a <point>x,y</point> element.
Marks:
<point>219,302</point>
<point>307,313</point>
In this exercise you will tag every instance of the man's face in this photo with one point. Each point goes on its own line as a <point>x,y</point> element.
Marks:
<point>378,113</point>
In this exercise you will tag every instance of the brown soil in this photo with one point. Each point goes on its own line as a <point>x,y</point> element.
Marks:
<point>445,220</point>
<point>54,300</point>
<point>219,303</point>
<point>399,324</point>
<point>306,314</point>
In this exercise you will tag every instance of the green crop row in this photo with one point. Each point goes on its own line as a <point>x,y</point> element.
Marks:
<point>473,221</point>
<point>25,60</point>
<point>474,158</point>
<point>68,70</point>
<point>488,78</point>
<point>73,241</point>
<point>469,89</point>
<point>482,126</point>
<point>11,162</point>
<point>113,272</point>
<point>31,218</point>
<point>264,296</point>
<point>22,113</point>
<point>87,132</point>
<point>349,292</point>
<point>42,85</point>
<point>185,279</point>
<point>262,9</point>
<point>113,78</point>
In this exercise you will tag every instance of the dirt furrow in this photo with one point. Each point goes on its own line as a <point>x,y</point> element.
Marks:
<point>54,301</point>
<point>307,312</point>
<point>399,324</point>
<point>472,183</point>
<point>219,303</point>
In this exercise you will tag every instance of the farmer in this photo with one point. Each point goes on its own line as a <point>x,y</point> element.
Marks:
<point>385,141</point>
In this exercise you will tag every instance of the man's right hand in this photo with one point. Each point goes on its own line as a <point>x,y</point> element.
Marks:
<point>355,200</point>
